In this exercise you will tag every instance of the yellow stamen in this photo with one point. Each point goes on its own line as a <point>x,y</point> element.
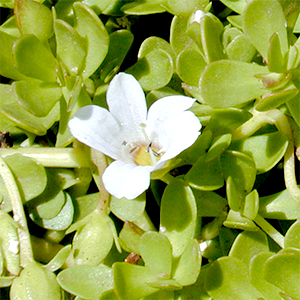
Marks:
<point>146,155</point>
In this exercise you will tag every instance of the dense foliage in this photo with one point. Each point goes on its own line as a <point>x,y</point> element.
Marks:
<point>220,221</point>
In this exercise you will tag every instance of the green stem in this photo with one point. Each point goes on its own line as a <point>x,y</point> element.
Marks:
<point>52,157</point>
<point>270,230</point>
<point>26,254</point>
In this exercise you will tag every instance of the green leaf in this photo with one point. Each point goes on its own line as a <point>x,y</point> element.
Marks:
<point>294,109</point>
<point>257,263</point>
<point>154,70</point>
<point>228,278</point>
<point>226,120</point>
<point>88,282</point>
<point>292,237</point>
<point>34,18</point>
<point>8,69</point>
<point>274,99</point>
<point>107,7</point>
<point>156,252</point>
<point>211,30</point>
<point>184,8</point>
<point>128,210</point>
<point>93,241</point>
<point>236,5</point>
<point>119,45</point>
<point>261,20</point>
<point>33,59</point>
<point>280,206</point>
<point>36,96</point>
<point>251,205</point>
<point>228,83</point>
<point>275,58</point>
<point>30,175</point>
<point>205,175</point>
<point>91,29</point>
<point>237,221</point>
<point>209,204</point>
<point>152,43</point>
<point>282,270</point>
<point>59,259</point>
<point>130,237</point>
<point>60,222</point>
<point>218,146</point>
<point>131,281</point>
<point>241,49</point>
<point>70,47</point>
<point>189,65</point>
<point>179,228</point>
<point>39,282</point>
<point>179,39</point>
<point>266,149</point>
<point>144,7</point>
<point>188,268</point>
<point>240,167</point>
<point>247,244</point>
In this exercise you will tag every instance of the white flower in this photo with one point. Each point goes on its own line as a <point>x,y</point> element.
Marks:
<point>139,142</point>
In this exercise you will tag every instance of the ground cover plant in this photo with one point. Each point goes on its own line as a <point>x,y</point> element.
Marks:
<point>150,150</point>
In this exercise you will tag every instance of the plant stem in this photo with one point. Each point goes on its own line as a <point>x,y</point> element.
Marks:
<point>52,157</point>
<point>270,230</point>
<point>26,253</point>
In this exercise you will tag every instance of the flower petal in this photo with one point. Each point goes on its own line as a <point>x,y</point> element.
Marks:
<point>182,133</point>
<point>126,180</point>
<point>163,111</point>
<point>126,102</point>
<point>97,128</point>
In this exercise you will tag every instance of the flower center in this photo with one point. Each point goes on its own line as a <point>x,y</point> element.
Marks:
<point>145,155</point>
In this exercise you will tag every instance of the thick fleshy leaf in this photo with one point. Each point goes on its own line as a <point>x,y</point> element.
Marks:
<point>30,175</point>
<point>282,270</point>
<point>179,40</point>
<point>269,290</point>
<point>128,210</point>
<point>33,59</point>
<point>228,278</point>
<point>88,282</point>
<point>292,237</point>
<point>237,221</point>
<point>97,128</point>
<point>189,264</point>
<point>178,227</point>
<point>154,70</point>
<point>156,251</point>
<point>90,28</point>
<point>237,6</point>
<point>8,69</point>
<point>70,47</point>
<point>11,109</point>
<point>131,281</point>
<point>62,221</point>
<point>186,8</point>
<point>266,149</point>
<point>240,167</point>
<point>34,18</point>
<point>120,42</point>
<point>209,204</point>
<point>93,241</point>
<point>152,43</point>
<point>280,206</point>
<point>247,244</point>
<point>205,175</point>
<point>36,96</point>
<point>189,65</point>
<point>261,20</point>
<point>126,102</point>
<point>228,83</point>
<point>144,7</point>
<point>126,179</point>
<point>211,29</point>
